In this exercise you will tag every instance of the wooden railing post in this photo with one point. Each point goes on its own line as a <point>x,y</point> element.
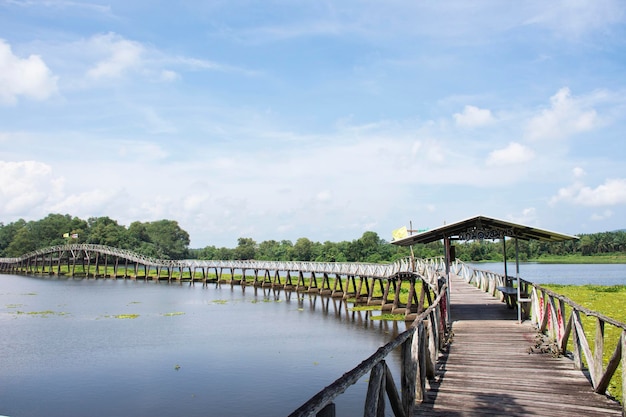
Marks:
<point>598,351</point>
<point>408,375</point>
<point>418,351</point>
<point>611,367</point>
<point>623,343</point>
<point>375,398</point>
<point>392,393</point>
<point>578,359</point>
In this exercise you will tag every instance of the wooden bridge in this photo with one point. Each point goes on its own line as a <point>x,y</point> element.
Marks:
<point>463,354</point>
<point>365,283</point>
<point>486,363</point>
<point>495,366</point>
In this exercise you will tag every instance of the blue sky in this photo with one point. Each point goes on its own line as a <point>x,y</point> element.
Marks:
<point>318,119</point>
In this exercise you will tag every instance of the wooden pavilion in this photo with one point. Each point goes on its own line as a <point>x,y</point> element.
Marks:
<point>479,228</point>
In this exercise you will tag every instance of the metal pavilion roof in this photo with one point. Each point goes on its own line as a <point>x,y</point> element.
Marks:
<point>482,227</point>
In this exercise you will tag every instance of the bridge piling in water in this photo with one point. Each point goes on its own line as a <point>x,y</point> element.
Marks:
<point>357,282</point>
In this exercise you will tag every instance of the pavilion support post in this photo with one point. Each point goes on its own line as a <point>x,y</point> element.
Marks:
<point>519,284</point>
<point>506,269</point>
<point>446,241</point>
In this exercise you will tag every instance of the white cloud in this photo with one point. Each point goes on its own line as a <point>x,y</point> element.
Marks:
<point>427,151</point>
<point>63,5</point>
<point>324,196</point>
<point>168,75</point>
<point>119,56</point>
<point>88,203</point>
<point>26,186</point>
<point>579,172</point>
<point>575,18</point>
<point>147,151</point>
<point>566,116</point>
<point>511,155</point>
<point>155,123</point>
<point>606,214</point>
<point>29,77</point>
<point>611,193</point>
<point>527,216</point>
<point>473,117</point>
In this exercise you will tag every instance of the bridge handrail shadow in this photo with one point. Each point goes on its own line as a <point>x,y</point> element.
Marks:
<point>559,318</point>
<point>420,346</point>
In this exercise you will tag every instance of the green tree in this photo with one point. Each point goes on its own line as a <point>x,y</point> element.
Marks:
<point>7,234</point>
<point>270,250</point>
<point>23,242</point>
<point>105,231</point>
<point>303,250</point>
<point>49,231</point>
<point>330,252</point>
<point>169,240</point>
<point>136,234</point>
<point>246,248</point>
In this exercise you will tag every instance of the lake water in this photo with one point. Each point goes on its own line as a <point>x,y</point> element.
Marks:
<point>190,351</point>
<point>569,274</point>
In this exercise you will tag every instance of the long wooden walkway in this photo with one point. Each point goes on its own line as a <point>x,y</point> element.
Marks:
<point>488,370</point>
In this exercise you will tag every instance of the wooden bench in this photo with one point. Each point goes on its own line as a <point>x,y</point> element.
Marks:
<point>510,296</point>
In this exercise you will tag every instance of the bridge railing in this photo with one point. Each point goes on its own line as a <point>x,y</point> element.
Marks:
<point>122,253</point>
<point>563,321</point>
<point>419,345</point>
<point>429,269</point>
<point>561,318</point>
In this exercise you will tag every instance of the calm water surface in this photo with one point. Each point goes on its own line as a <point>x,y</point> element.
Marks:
<point>190,351</point>
<point>569,274</point>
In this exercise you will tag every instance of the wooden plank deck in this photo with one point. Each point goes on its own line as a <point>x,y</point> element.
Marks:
<point>489,371</point>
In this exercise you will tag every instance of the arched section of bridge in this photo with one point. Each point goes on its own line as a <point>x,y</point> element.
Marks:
<point>366,283</point>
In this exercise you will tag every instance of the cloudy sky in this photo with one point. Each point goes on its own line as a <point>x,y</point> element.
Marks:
<point>320,119</point>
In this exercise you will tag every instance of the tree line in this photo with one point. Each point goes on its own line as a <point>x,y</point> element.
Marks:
<point>162,239</point>
<point>165,239</point>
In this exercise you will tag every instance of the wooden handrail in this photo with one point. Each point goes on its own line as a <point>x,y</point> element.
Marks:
<point>417,363</point>
<point>580,308</point>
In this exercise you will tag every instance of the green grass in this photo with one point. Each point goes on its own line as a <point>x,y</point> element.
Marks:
<point>609,258</point>
<point>609,301</point>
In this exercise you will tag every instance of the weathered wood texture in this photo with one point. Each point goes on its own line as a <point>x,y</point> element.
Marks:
<point>488,370</point>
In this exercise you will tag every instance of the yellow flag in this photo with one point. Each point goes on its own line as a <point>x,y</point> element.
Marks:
<point>400,233</point>
<point>66,235</point>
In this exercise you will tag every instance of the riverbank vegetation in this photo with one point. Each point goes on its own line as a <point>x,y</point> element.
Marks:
<point>166,239</point>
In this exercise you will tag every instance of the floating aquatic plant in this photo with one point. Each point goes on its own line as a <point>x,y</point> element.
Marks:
<point>126,316</point>
<point>390,317</point>
<point>44,313</point>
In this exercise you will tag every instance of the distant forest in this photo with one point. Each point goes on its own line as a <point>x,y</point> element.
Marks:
<point>165,239</point>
